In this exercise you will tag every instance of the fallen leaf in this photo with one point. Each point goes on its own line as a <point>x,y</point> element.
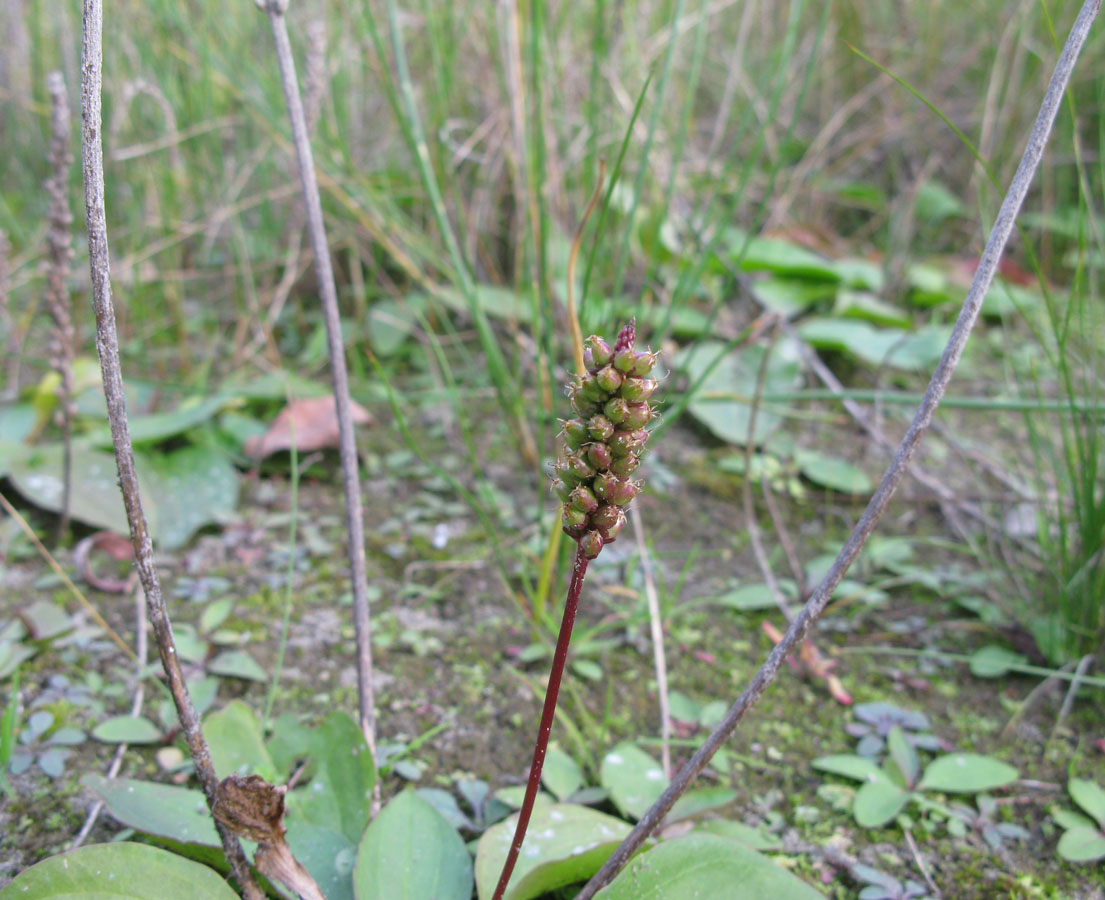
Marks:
<point>812,664</point>
<point>312,420</point>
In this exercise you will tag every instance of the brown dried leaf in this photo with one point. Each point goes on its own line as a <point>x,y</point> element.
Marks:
<point>314,422</point>
<point>114,545</point>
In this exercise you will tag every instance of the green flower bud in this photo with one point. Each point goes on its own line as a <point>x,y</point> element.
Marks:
<point>591,391</point>
<point>583,499</point>
<point>625,466</point>
<point>561,489</point>
<point>644,362</point>
<point>603,484</point>
<point>575,432</point>
<point>591,544</point>
<point>623,492</point>
<point>600,428</point>
<point>635,389</point>
<point>573,517</point>
<point>599,456</point>
<point>596,353</point>
<point>638,416</point>
<point>609,379</point>
<point>625,442</point>
<point>577,466</point>
<point>609,520</point>
<point>616,409</point>
<point>625,360</point>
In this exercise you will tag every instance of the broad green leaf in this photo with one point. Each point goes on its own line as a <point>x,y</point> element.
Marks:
<point>564,843</point>
<point>127,730</point>
<point>1090,797</point>
<point>410,852</point>
<point>157,427</point>
<point>16,423</point>
<point>769,254</point>
<point>340,793</point>
<point>193,487</point>
<point>859,768</point>
<point>903,754</point>
<point>1082,845</point>
<point>722,402</point>
<point>833,472</point>
<point>703,866</point>
<point>122,871</point>
<point>700,800</point>
<point>95,498</point>
<point>327,855</point>
<point>749,598</point>
<point>864,274</point>
<point>237,664</point>
<point>788,297</point>
<point>966,773</point>
<point>753,838</point>
<point>1068,818</point>
<point>878,802</point>
<point>391,322</point>
<point>633,779</point>
<point>176,813</point>
<point>934,203</point>
<point>561,774</point>
<point>993,661</point>
<point>237,744</point>
<point>877,347</point>
<point>497,302</point>
<point>863,305</point>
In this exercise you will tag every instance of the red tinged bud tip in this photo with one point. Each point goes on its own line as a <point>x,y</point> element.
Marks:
<point>627,336</point>
<point>623,492</point>
<point>644,363</point>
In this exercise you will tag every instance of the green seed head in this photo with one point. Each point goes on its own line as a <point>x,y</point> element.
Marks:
<point>604,440</point>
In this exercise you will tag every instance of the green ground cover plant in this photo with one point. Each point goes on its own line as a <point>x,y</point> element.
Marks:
<point>758,242</point>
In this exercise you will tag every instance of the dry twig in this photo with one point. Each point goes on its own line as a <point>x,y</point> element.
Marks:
<point>107,344</point>
<point>972,304</point>
<point>329,296</point>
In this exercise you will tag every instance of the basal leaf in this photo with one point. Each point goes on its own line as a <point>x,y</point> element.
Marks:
<point>340,792</point>
<point>753,838</point>
<point>327,855</point>
<point>702,866</point>
<point>966,773</point>
<point>410,852</point>
<point>633,779</point>
<point>878,802</point>
<point>561,774</point>
<point>565,843</point>
<point>121,871</point>
<point>236,742</point>
<point>993,661</point>
<point>177,813</point>
<point>194,486</point>
<point>127,730</point>
<point>849,765</point>
<point>1090,797</point>
<point>1082,845</point>
<point>833,472</point>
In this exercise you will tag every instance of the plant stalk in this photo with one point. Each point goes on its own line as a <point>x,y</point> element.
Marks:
<point>560,655</point>
<point>329,296</point>
<point>107,345</point>
<point>815,606</point>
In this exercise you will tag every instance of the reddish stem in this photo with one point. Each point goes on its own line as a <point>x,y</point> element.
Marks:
<point>555,677</point>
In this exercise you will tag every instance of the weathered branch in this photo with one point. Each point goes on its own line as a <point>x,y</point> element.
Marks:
<point>329,296</point>
<point>984,275</point>
<point>107,344</point>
